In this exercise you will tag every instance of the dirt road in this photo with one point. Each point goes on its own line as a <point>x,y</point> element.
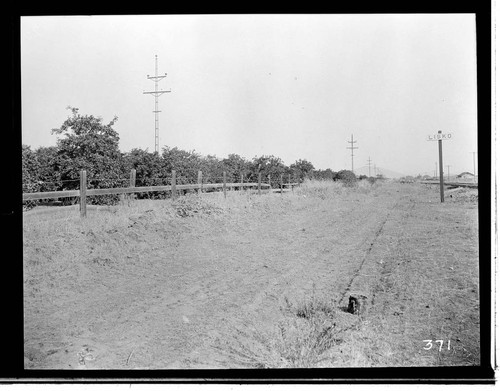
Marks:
<point>143,287</point>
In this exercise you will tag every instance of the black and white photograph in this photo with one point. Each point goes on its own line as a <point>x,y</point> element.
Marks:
<point>250,191</point>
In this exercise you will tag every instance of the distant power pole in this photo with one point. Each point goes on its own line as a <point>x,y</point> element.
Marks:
<point>448,166</point>
<point>369,167</point>
<point>156,94</point>
<point>352,148</point>
<point>474,162</point>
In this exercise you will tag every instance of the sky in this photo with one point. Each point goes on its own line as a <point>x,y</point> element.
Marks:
<point>291,86</point>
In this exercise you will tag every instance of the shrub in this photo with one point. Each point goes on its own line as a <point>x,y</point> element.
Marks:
<point>348,178</point>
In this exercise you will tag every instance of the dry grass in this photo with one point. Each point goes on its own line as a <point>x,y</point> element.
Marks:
<point>211,252</point>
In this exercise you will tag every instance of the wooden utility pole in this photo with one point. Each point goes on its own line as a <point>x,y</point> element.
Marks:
<point>474,162</point>
<point>440,137</point>
<point>352,148</point>
<point>441,181</point>
<point>448,166</point>
<point>369,167</point>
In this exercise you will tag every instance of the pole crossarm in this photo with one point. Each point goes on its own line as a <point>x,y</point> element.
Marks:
<point>157,93</point>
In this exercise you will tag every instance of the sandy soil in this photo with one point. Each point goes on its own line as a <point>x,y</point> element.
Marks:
<point>208,283</point>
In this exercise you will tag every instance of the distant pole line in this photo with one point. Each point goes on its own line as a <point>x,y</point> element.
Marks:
<point>352,148</point>
<point>156,93</point>
<point>369,167</point>
<point>448,166</point>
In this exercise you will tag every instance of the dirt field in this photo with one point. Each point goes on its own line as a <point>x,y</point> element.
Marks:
<point>256,281</point>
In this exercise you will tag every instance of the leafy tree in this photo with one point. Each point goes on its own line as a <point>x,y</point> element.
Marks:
<point>212,168</point>
<point>30,170</point>
<point>186,164</point>
<point>235,165</point>
<point>302,169</point>
<point>49,164</point>
<point>148,167</point>
<point>347,177</point>
<point>327,174</point>
<point>268,165</point>
<point>88,144</point>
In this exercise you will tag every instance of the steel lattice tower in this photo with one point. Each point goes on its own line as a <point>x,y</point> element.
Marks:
<point>156,94</point>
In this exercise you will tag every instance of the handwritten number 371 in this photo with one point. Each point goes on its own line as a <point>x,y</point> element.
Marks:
<point>428,344</point>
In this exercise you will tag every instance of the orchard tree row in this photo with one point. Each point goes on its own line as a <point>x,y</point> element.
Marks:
<point>87,143</point>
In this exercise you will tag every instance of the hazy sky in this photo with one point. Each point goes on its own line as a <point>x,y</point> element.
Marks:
<point>292,86</point>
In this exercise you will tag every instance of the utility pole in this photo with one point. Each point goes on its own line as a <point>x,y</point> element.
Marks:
<point>436,170</point>
<point>474,162</point>
<point>448,166</point>
<point>369,167</point>
<point>352,148</point>
<point>441,182</point>
<point>156,94</point>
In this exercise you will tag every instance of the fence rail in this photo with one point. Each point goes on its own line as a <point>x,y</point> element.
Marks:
<point>84,192</point>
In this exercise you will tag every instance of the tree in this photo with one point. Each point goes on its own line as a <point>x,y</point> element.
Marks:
<point>347,177</point>
<point>186,164</point>
<point>268,165</point>
<point>327,174</point>
<point>49,164</point>
<point>148,167</point>
<point>88,144</point>
<point>302,169</point>
<point>235,166</point>
<point>30,170</point>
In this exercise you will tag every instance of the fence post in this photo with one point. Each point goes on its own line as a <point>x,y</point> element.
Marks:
<point>200,181</point>
<point>281,184</point>
<point>269,180</point>
<point>174,188</point>
<point>241,182</point>
<point>83,193</point>
<point>224,183</point>
<point>259,181</point>
<point>132,182</point>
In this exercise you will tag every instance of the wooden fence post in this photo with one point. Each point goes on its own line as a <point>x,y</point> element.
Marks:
<point>241,182</point>
<point>281,184</point>
<point>259,181</point>
<point>174,188</point>
<point>132,182</point>
<point>269,180</point>
<point>224,183</point>
<point>83,193</point>
<point>200,181</point>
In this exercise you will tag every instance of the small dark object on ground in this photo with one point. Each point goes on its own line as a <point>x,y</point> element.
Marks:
<point>357,304</point>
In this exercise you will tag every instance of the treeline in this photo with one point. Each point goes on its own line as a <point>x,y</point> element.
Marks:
<point>87,143</point>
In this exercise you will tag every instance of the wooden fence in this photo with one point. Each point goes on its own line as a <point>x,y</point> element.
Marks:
<point>84,192</point>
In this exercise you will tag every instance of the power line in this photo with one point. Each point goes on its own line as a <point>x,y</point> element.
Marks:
<point>156,94</point>
<point>352,148</point>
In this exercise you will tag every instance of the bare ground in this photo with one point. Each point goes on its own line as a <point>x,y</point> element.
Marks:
<point>213,283</point>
